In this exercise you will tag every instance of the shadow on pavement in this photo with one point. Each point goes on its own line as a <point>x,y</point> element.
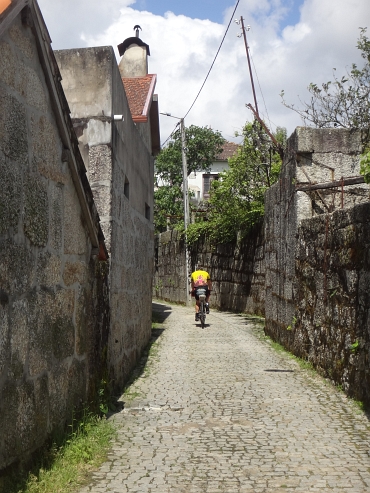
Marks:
<point>160,311</point>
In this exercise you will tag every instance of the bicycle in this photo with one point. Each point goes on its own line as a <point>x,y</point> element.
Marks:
<point>202,306</point>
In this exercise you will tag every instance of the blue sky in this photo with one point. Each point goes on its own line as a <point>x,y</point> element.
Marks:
<point>213,10</point>
<point>292,43</point>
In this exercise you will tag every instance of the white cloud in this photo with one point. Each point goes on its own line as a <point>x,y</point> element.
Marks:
<point>182,50</point>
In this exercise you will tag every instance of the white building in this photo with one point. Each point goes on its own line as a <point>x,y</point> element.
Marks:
<point>200,183</point>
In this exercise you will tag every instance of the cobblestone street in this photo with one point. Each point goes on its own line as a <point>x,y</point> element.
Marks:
<point>218,410</point>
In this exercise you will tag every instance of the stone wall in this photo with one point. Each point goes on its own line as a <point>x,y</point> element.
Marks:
<point>331,326</point>
<point>316,263</point>
<point>54,317</point>
<point>237,271</point>
<point>307,269</point>
<point>312,156</point>
<point>120,171</point>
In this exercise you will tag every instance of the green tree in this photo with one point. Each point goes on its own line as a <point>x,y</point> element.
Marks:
<point>237,199</point>
<point>203,145</point>
<point>343,102</point>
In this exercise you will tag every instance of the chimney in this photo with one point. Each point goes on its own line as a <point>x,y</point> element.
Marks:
<point>134,53</point>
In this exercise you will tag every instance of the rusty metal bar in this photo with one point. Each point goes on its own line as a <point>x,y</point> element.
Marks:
<point>354,180</point>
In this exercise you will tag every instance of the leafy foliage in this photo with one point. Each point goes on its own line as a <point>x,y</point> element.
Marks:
<point>344,102</point>
<point>237,199</point>
<point>365,165</point>
<point>203,145</point>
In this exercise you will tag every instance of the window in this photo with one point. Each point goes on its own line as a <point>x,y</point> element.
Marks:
<point>207,181</point>
<point>147,211</point>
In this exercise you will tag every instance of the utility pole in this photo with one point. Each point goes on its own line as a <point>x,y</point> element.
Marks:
<point>241,21</point>
<point>186,200</point>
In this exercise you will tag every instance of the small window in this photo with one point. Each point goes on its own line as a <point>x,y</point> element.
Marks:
<point>147,212</point>
<point>126,188</point>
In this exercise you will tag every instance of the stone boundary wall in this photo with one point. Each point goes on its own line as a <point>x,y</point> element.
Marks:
<point>306,271</point>
<point>316,265</point>
<point>237,271</point>
<point>331,326</point>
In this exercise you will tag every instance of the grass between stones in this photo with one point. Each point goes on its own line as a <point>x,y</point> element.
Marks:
<point>259,323</point>
<point>65,466</point>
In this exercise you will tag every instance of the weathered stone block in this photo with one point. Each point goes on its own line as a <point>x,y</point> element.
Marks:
<point>20,336</point>
<point>100,163</point>
<point>74,272</point>
<point>75,236</point>
<point>10,195</point>
<point>13,129</point>
<point>36,211</point>
<point>18,35</point>
<point>16,268</point>
<point>8,65</point>
<point>47,149</point>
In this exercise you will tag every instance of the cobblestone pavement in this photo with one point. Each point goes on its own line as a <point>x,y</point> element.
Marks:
<point>219,410</point>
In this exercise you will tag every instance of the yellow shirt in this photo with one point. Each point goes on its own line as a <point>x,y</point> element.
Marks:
<point>200,278</point>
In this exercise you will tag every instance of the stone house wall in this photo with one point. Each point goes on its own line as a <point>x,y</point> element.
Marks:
<point>121,173</point>
<point>54,318</point>
<point>237,271</point>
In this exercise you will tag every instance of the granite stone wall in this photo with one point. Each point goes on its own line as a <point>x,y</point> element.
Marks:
<point>54,318</point>
<point>312,156</point>
<point>316,258</point>
<point>237,271</point>
<point>331,325</point>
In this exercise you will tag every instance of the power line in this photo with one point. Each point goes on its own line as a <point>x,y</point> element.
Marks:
<point>259,85</point>
<point>209,71</point>
<point>218,51</point>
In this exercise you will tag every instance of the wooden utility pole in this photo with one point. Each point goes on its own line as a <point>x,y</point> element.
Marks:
<point>249,64</point>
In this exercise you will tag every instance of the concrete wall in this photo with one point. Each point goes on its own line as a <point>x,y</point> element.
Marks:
<point>237,271</point>
<point>120,171</point>
<point>53,292</point>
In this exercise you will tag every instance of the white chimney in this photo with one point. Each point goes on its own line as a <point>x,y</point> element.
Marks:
<point>134,52</point>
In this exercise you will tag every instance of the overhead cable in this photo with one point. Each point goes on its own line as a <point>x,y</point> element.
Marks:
<point>209,71</point>
<point>218,51</point>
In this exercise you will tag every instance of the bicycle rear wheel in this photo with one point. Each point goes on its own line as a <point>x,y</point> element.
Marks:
<point>202,315</point>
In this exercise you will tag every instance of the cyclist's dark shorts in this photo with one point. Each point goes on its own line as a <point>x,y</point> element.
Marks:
<point>200,287</point>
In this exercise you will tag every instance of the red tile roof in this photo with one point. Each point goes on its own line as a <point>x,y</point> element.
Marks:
<point>139,92</point>
<point>229,150</point>
<point>4,4</point>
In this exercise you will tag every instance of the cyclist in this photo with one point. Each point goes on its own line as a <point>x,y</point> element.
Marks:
<point>200,279</point>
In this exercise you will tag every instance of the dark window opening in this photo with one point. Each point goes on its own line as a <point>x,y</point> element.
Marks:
<point>207,182</point>
<point>126,188</point>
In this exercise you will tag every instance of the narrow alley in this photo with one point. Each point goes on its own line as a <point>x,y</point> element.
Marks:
<point>219,410</point>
